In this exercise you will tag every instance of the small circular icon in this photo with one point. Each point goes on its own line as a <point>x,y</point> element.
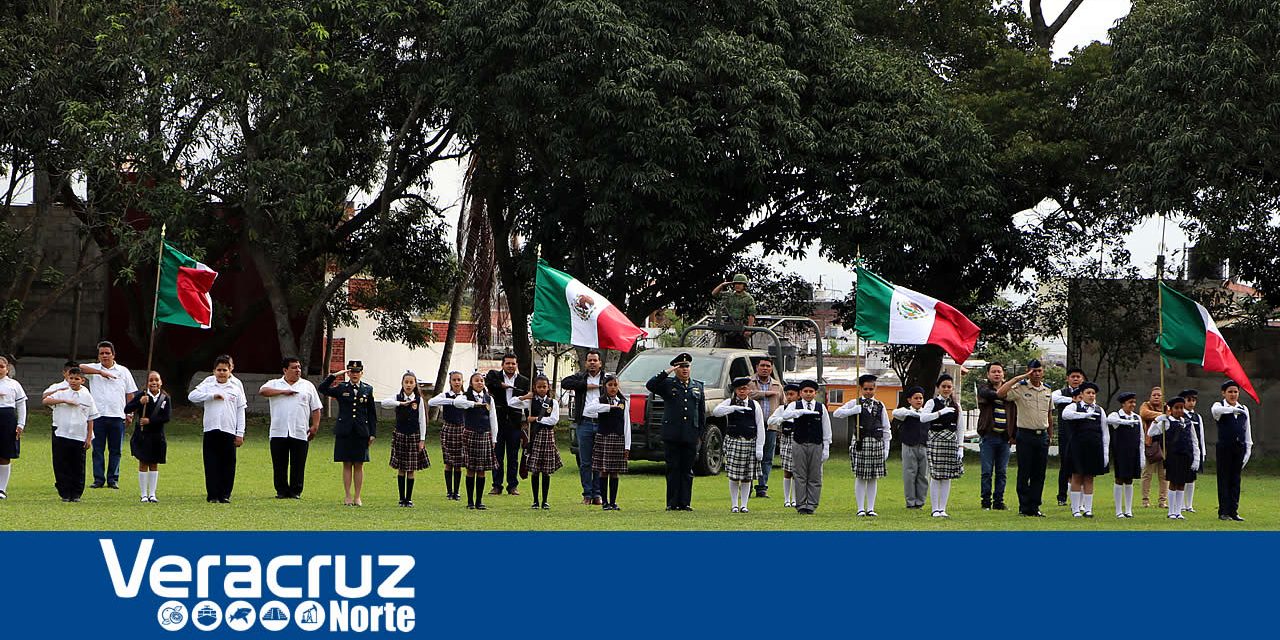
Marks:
<point>172,615</point>
<point>273,616</point>
<point>309,616</point>
<point>206,615</point>
<point>241,615</point>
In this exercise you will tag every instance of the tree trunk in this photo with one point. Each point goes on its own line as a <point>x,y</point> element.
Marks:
<point>446,352</point>
<point>924,369</point>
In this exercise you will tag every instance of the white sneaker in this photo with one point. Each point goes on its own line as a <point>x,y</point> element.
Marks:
<point>1078,514</point>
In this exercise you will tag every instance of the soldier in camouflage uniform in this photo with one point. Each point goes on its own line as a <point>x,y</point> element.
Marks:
<point>737,308</point>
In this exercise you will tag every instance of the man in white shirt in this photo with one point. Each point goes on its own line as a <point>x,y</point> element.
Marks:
<point>224,405</point>
<point>295,418</point>
<point>74,412</point>
<point>112,387</point>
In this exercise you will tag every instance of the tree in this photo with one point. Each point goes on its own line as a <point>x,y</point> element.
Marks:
<point>1192,106</point>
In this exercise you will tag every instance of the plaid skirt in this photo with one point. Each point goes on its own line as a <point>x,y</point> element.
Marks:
<point>740,461</point>
<point>477,451</point>
<point>944,459</point>
<point>405,455</point>
<point>608,454</point>
<point>544,457</point>
<point>868,464</point>
<point>451,445</point>
<point>785,442</point>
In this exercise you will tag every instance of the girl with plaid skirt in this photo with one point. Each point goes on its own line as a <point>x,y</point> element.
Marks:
<point>946,455</point>
<point>786,439</point>
<point>1090,448</point>
<point>152,410</point>
<point>1179,440</point>
<point>409,440</point>
<point>13,420</point>
<point>479,433</point>
<point>743,442</point>
<point>612,446</point>
<point>870,443</point>
<point>544,456</point>
<point>451,428</point>
<point>1127,451</point>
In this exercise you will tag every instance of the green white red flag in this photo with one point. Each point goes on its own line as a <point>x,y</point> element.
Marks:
<point>568,312</point>
<point>183,296</point>
<point>1187,333</point>
<point>897,315</point>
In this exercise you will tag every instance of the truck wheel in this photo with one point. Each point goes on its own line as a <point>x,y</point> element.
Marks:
<point>711,459</point>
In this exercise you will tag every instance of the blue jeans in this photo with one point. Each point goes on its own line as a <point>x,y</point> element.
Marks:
<point>766,463</point>
<point>995,456</point>
<point>108,433</point>
<point>586,431</point>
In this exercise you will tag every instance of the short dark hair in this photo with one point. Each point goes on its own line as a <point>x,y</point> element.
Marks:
<point>995,364</point>
<point>69,365</point>
<point>106,344</point>
<point>75,371</point>
<point>286,361</point>
<point>225,356</point>
<point>510,355</point>
<point>587,354</point>
<point>223,359</point>
<point>1075,370</point>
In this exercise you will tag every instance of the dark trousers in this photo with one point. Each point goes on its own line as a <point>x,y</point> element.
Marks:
<point>1230,463</point>
<point>219,464</point>
<point>680,457</point>
<point>108,438</point>
<point>68,467</point>
<point>289,465</point>
<point>994,450</point>
<point>1064,460</point>
<point>1033,458</point>
<point>507,453</point>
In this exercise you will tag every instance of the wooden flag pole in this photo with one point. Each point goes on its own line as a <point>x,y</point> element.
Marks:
<point>155,303</point>
<point>1164,436</point>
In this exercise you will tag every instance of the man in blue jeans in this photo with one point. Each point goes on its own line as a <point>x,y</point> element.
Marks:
<point>112,386</point>
<point>585,386</point>
<point>768,392</point>
<point>995,418</point>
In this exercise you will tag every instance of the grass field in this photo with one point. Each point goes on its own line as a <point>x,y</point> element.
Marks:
<point>33,504</point>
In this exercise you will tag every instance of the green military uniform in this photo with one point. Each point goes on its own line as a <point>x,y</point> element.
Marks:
<point>357,418</point>
<point>683,420</point>
<point>737,307</point>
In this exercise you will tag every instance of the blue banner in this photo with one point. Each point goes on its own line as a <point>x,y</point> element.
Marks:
<point>634,585</point>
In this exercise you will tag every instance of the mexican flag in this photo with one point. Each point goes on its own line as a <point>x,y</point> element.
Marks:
<point>183,297</point>
<point>1187,333</point>
<point>896,315</point>
<point>567,311</point>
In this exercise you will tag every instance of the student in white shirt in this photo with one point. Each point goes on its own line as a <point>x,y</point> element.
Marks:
<point>295,418</point>
<point>542,415</point>
<point>1235,445</point>
<point>1090,448</point>
<point>1127,451</point>
<point>409,437</point>
<point>74,411</point>
<point>451,428</point>
<point>13,419</point>
<point>743,442</point>
<point>870,433</point>
<point>224,406</point>
<point>612,446</point>
<point>112,387</point>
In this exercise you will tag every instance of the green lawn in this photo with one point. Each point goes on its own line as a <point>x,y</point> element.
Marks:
<point>33,504</point>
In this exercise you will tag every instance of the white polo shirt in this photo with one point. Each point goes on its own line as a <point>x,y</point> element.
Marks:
<point>110,393</point>
<point>226,414</point>
<point>291,415</point>
<point>70,421</point>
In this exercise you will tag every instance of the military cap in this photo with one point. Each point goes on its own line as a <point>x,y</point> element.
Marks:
<point>740,278</point>
<point>355,365</point>
<point>741,382</point>
<point>683,358</point>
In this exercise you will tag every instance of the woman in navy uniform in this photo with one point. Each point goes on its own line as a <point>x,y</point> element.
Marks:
<point>356,427</point>
<point>612,446</point>
<point>151,410</point>
<point>1180,447</point>
<point>1090,449</point>
<point>451,418</point>
<point>743,443</point>
<point>409,439</point>
<point>1127,451</point>
<point>683,416</point>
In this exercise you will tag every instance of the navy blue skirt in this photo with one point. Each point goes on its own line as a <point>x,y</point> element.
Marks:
<point>9,444</point>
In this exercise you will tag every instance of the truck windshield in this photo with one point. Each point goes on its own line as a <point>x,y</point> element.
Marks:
<point>645,365</point>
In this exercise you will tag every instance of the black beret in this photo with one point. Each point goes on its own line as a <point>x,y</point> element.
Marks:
<point>1127,396</point>
<point>355,365</point>
<point>1230,383</point>
<point>1087,385</point>
<point>1176,400</point>
<point>741,382</point>
<point>911,391</point>
<point>1189,393</point>
<point>865,378</point>
<point>681,359</point>
<point>808,384</point>
<point>791,386</point>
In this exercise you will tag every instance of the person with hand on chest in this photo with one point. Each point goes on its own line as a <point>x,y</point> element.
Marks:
<point>683,424</point>
<point>1128,452</point>
<point>1063,398</point>
<point>1191,398</point>
<point>504,386</point>
<point>451,419</point>
<point>914,433</point>
<point>152,410</point>
<point>355,429</point>
<point>996,420</point>
<point>13,420</point>
<point>743,443</point>
<point>1090,449</point>
<point>812,445</point>
<point>74,412</point>
<point>612,447</point>
<point>586,386</point>
<point>1178,440</point>
<point>224,429</point>
<point>768,393</point>
<point>409,439</point>
<point>786,440</point>
<point>480,432</point>
<point>945,451</point>
<point>869,447</point>
<point>544,457</point>
<point>295,419</point>
<point>1235,445</point>
<point>112,386</point>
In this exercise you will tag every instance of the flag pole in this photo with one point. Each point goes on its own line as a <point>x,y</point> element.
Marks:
<point>1164,438</point>
<point>155,303</point>
<point>857,341</point>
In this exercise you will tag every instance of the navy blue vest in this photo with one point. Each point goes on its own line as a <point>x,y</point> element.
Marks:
<point>869,423</point>
<point>611,422</point>
<point>540,408</point>
<point>477,418</point>
<point>913,432</point>
<point>407,415</point>
<point>452,414</point>
<point>808,428</point>
<point>947,422</point>
<point>1231,428</point>
<point>1177,437</point>
<point>742,424</point>
<point>1080,426</point>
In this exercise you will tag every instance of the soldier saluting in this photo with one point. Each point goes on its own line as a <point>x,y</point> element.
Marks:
<point>683,417</point>
<point>738,308</point>
<point>356,426</point>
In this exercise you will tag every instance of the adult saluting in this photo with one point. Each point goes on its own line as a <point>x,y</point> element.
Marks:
<point>355,429</point>
<point>737,308</point>
<point>683,417</point>
<point>1033,399</point>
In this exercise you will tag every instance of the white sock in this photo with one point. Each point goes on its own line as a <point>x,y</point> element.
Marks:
<point>744,493</point>
<point>1128,499</point>
<point>933,494</point>
<point>1117,491</point>
<point>5,469</point>
<point>1075,501</point>
<point>1173,503</point>
<point>733,492</point>
<point>144,481</point>
<point>151,487</point>
<point>1188,495</point>
<point>871,494</point>
<point>1088,503</point>
<point>945,487</point>
<point>860,493</point>
<point>786,490</point>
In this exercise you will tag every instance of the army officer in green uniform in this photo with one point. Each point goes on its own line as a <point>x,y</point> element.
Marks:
<point>736,307</point>
<point>356,426</point>
<point>683,416</point>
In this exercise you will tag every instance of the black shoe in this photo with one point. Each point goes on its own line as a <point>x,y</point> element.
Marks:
<point>762,494</point>
<point>407,503</point>
<point>805,512</point>
<point>999,506</point>
<point>670,508</point>
<point>534,506</point>
<point>481,507</point>
<point>1220,518</point>
<point>296,496</point>
<point>3,495</point>
<point>113,485</point>
<point>986,506</point>
<point>686,508</point>
<point>281,496</point>
<point>546,507</point>
<point>1225,518</point>
<point>471,506</point>
<point>224,500</point>
<point>615,507</point>
<point>1038,514</point>
<point>97,485</point>
<point>1237,518</point>
<point>1062,502</point>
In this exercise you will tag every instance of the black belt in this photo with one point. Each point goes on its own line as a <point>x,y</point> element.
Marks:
<point>1038,432</point>
<point>950,427</point>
